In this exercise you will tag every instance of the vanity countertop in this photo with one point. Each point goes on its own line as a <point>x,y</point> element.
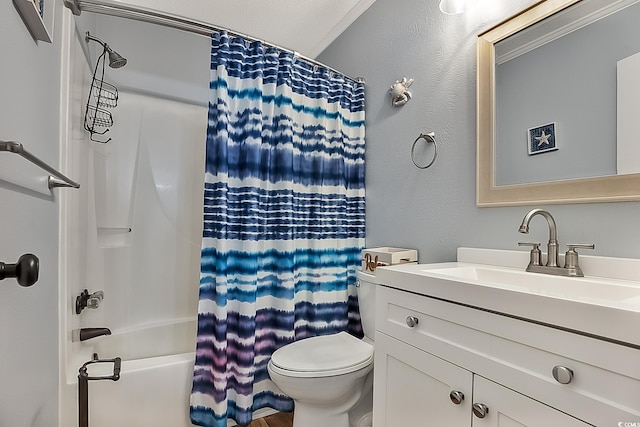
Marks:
<point>605,303</point>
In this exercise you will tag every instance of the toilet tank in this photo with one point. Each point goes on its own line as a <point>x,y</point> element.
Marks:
<point>367,303</point>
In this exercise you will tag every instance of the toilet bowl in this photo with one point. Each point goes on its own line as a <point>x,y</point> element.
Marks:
<point>329,377</point>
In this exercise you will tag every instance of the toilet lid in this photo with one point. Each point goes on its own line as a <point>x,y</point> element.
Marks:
<point>323,353</point>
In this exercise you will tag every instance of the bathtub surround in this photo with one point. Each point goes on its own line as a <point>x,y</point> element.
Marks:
<point>283,221</point>
<point>128,232</point>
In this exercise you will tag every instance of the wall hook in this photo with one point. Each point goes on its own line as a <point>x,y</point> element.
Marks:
<point>25,270</point>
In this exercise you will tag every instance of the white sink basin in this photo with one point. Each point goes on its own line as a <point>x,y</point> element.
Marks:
<point>571,288</point>
<point>605,303</point>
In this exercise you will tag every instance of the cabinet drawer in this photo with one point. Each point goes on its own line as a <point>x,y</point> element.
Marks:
<point>604,389</point>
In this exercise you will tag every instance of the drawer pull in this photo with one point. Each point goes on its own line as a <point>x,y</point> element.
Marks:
<point>480,410</point>
<point>412,321</point>
<point>456,397</point>
<point>562,374</point>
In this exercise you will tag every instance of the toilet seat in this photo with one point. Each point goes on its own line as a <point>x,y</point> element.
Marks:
<point>322,356</point>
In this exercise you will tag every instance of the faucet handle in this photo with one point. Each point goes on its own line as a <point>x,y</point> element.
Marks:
<point>94,299</point>
<point>87,300</point>
<point>535,256</point>
<point>98,295</point>
<point>572,246</point>
<point>571,257</point>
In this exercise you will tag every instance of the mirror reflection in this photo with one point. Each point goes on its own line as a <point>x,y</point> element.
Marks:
<point>558,88</point>
<point>571,83</point>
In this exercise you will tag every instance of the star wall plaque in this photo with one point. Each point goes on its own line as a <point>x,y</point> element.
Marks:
<point>542,139</point>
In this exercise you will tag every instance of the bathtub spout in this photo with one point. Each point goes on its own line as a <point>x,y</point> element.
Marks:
<point>88,333</point>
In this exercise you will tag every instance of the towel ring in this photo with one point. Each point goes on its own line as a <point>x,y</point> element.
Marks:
<point>429,138</point>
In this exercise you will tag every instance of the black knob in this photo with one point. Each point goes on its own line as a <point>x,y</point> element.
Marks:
<point>25,270</point>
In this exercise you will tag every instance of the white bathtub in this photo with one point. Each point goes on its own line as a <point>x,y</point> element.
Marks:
<point>155,377</point>
<point>150,392</point>
<point>154,385</point>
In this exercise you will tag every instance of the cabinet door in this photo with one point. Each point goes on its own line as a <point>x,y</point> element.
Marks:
<point>507,408</point>
<point>412,388</point>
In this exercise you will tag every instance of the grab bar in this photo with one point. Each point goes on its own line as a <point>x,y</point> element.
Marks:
<point>56,179</point>
<point>83,385</point>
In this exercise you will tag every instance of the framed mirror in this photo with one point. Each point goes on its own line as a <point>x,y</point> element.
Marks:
<point>557,88</point>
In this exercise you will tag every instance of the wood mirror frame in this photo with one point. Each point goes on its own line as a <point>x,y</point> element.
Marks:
<point>613,188</point>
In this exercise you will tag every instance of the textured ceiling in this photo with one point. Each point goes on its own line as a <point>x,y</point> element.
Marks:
<point>307,26</point>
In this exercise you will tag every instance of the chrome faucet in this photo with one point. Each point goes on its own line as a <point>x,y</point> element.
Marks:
<point>552,266</point>
<point>552,245</point>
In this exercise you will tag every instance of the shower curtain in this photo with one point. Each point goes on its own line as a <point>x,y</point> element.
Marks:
<point>284,209</point>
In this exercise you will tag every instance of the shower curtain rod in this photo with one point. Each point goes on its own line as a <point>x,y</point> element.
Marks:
<point>168,20</point>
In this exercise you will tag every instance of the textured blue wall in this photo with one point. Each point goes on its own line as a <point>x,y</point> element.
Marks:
<point>434,210</point>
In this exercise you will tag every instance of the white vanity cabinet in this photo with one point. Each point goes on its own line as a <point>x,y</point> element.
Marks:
<point>415,388</point>
<point>428,349</point>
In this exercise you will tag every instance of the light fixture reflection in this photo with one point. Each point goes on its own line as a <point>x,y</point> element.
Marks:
<point>454,7</point>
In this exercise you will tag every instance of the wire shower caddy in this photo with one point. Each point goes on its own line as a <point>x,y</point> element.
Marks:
<point>102,97</point>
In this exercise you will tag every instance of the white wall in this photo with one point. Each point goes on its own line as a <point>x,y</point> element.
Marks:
<point>29,113</point>
<point>628,104</point>
<point>316,23</point>
<point>434,210</point>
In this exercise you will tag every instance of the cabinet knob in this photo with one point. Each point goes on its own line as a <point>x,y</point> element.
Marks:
<point>412,321</point>
<point>456,397</point>
<point>480,410</point>
<point>562,374</point>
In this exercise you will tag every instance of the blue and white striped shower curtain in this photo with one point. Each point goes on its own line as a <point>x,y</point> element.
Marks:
<point>284,209</point>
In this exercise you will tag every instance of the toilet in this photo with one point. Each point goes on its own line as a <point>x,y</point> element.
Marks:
<point>330,377</point>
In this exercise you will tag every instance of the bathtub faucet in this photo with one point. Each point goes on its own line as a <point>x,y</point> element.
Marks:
<point>88,333</point>
<point>87,300</point>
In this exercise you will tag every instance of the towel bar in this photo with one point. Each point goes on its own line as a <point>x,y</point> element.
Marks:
<point>56,179</point>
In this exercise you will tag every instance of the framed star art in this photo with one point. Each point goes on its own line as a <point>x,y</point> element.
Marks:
<point>542,139</point>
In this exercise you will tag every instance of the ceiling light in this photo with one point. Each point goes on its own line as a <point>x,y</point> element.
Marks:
<point>454,7</point>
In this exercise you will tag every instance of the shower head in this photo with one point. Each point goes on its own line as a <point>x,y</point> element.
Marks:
<point>115,59</point>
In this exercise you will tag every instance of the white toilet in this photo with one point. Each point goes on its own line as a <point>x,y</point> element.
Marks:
<point>330,377</point>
